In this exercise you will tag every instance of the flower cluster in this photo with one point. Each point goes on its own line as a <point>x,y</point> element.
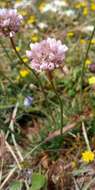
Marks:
<point>9,22</point>
<point>47,54</point>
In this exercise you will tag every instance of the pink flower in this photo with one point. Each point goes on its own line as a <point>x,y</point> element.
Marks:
<point>47,55</point>
<point>9,22</point>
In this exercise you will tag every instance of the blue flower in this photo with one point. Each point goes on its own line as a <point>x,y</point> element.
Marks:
<point>28,101</point>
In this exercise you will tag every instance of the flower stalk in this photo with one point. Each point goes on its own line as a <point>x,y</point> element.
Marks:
<point>49,74</point>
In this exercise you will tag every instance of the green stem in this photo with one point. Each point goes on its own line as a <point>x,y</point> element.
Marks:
<point>85,58</point>
<point>1,72</point>
<point>60,103</point>
<point>17,53</point>
<point>20,58</point>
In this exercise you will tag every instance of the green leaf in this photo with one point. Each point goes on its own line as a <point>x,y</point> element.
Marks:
<point>16,185</point>
<point>38,181</point>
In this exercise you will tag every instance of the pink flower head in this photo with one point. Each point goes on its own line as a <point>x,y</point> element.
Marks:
<point>47,54</point>
<point>9,22</point>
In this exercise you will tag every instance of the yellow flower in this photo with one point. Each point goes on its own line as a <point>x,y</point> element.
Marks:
<point>25,59</point>
<point>18,48</point>
<point>81,4</point>
<point>88,156</point>
<point>70,34</point>
<point>35,38</point>
<point>32,19</point>
<point>88,62</point>
<point>77,6</point>
<point>24,73</point>
<point>93,41</point>
<point>41,6</point>
<point>82,41</point>
<point>91,80</point>
<point>23,12</point>
<point>85,12</point>
<point>93,6</point>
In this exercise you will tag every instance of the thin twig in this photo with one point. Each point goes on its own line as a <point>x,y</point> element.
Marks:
<point>7,178</point>
<point>76,184</point>
<point>56,133</point>
<point>89,184</point>
<point>85,136</point>
<point>13,154</point>
<point>26,184</point>
<point>11,126</point>
<point>1,171</point>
